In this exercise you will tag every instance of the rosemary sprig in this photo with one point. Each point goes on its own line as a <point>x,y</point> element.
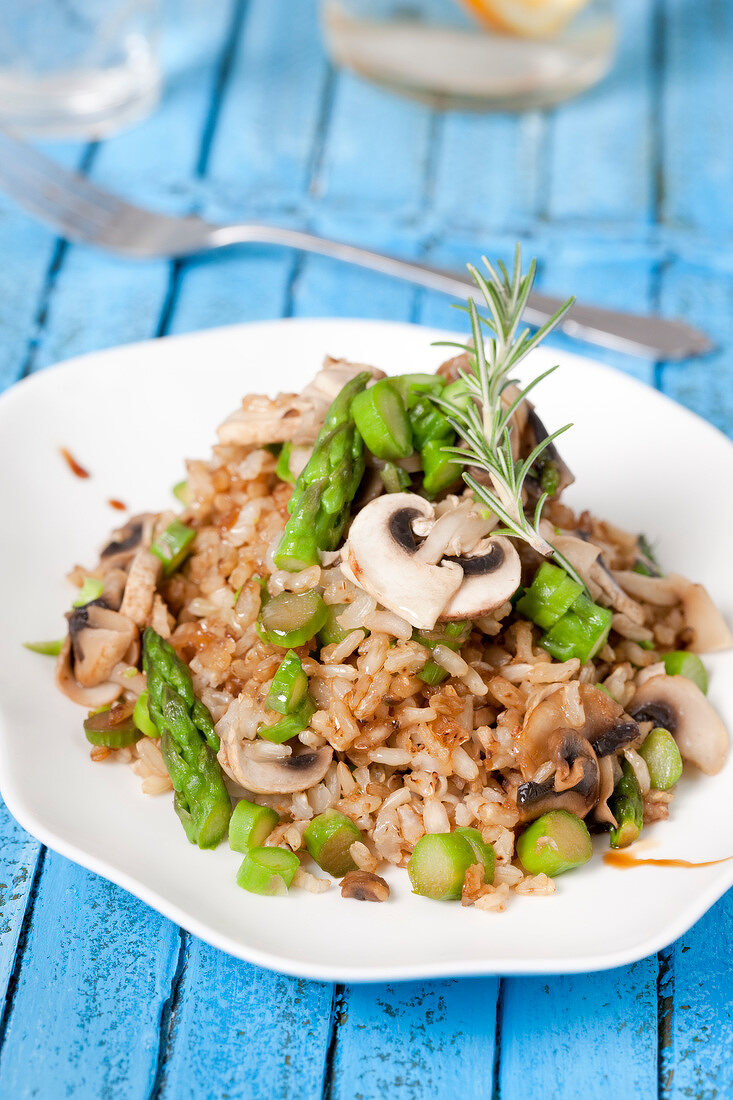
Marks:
<point>483,420</point>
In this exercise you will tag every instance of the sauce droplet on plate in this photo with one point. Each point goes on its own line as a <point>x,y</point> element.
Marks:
<point>625,860</point>
<point>76,468</point>
<point>118,504</point>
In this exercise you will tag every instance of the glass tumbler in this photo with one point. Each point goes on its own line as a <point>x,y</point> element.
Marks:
<point>77,68</point>
<point>490,54</point>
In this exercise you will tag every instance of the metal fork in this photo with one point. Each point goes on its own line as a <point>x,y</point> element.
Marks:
<point>82,212</point>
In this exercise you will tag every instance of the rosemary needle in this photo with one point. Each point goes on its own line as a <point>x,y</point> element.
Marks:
<point>484,422</point>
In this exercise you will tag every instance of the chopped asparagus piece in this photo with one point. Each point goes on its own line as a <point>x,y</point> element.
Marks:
<point>554,843</point>
<point>328,838</point>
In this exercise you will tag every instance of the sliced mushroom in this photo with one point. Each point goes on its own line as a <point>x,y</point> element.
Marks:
<point>710,632</point>
<point>384,557</point>
<point>379,556</point>
<point>491,575</point>
<point>262,419</point>
<point>127,540</point>
<point>451,367</point>
<point>99,639</point>
<point>575,785</point>
<point>607,767</point>
<point>678,705</point>
<point>286,775</point>
<point>114,583</point>
<point>364,886</point>
<point>289,417</point>
<point>587,559</point>
<point>142,580</point>
<point>582,708</point>
<point>332,377</point>
<point>90,697</point>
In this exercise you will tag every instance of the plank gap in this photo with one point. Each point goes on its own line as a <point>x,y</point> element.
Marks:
<point>337,1004</point>
<point>496,1070</point>
<point>223,72</point>
<point>665,1021</point>
<point>168,1013</point>
<point>20,949</point>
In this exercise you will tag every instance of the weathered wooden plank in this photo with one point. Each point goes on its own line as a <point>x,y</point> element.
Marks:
<point>699,1031</point>
<point>490,173</point>
<point>238,1030</point>
<point>90,942</point>
<point>97,968</point>
<point>703,296</point>
<point>241,1031</point>
<point>581,1035</point>
<point>272,113</point>
<point>377,153</point>
<point>19,855</point>
<point>98,300</point>
<point>266,142</point>
<point>415,1040</point>
<point>602,143</point>
<point>697,141</point>
<point>697,1027</point>
<point>29,252</point>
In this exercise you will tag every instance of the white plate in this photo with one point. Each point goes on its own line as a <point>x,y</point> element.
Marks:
<point>130,415</point>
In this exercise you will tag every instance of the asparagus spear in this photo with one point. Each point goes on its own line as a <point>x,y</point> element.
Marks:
<point>188,743</point>
<point>319,506</point>
<point>628,809</point>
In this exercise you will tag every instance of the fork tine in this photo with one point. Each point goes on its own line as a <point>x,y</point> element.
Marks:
<point>52,205</point>
<point>19,156</point>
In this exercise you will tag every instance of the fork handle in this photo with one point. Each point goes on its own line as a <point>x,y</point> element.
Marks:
<point>635,334</point>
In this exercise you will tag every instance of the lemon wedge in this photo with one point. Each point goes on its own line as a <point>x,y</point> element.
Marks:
<point>529,18</point>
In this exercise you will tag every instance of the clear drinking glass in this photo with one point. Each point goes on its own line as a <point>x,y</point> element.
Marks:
<point>491,54</point>
<point>77,68</point>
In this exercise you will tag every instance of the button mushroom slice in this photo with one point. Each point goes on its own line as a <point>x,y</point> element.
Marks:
<point>657,591</point>
<point>450,369</point>
<point>575,785</point>
<point>262,419</point>
<point>364,886</point>
<point>678,705</point>
<point>332,378</point>
<point>113,589</point>
<point>607,767</point>
<point>142,581</point>
<point>587,559</point>
<point>710,632</point>
<point>89,697</point>
<point>380,557</point>
<point>99,639</point>
<point>582,708</point>
<point>491,576</point>
<point>286,775</point>
<point>126,540</point>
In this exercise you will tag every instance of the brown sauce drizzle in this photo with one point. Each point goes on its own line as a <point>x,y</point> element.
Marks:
<point>75,467</point>
<point>118,504</point>
<point>624,860</point>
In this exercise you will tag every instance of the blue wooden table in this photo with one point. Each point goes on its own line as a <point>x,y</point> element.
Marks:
<point>625,198</point>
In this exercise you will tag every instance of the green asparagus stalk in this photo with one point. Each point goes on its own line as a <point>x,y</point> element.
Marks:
<point>319,506</point>
<point>188,743</point>
<point>628,808</point>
